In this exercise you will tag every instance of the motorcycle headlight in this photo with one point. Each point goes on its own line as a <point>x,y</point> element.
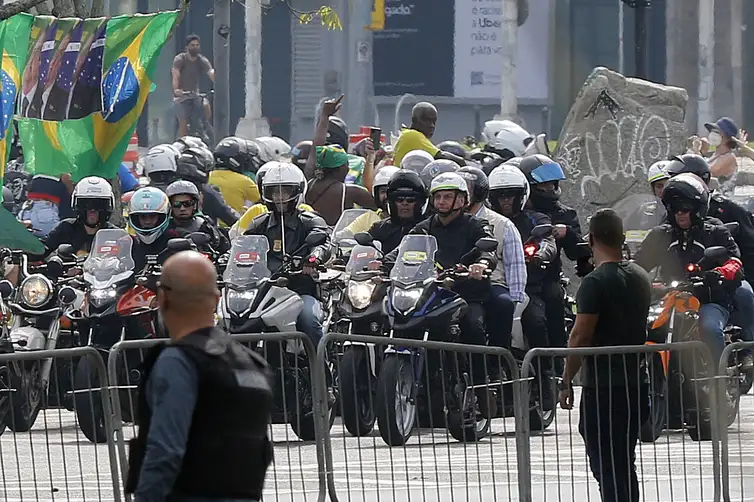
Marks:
<point>100,297</point>
<point>360,293</point>
<point>240,301</point>
<point>405,299</point>
<point>36,290</point>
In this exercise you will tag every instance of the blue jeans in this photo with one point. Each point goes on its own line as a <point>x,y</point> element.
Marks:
<point>712,321</point>
<point>44,216</point>
<point>310,319</point>
<point>499,310</point>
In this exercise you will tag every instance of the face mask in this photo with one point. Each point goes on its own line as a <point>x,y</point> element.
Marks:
<point>715,139</point>
<point>193,52</point>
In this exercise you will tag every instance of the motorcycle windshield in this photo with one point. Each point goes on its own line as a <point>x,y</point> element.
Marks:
<point>110,259</point>
<point>341,230</point>
<point>640,214</point>
<point>248,261</point>
<point>360,258</point>
<point>416,260</point>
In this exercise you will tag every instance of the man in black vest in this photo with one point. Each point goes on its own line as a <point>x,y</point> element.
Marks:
<point>204,400</point>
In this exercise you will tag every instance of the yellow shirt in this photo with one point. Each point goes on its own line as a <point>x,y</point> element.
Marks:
<point>237,189</point>
<point>409,140</point>
<point>364,222</point>
<point>244,221</point>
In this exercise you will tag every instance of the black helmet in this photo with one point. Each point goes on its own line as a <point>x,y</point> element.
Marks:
<point>337,132</point>
<point>477,181</point>
<point>686,191</point>
<point>300,153</point>
<point>488,160</point>
<point>185,142</point>
<point>194,164</point>
<point>236,154</point>
<point>540,169</point>
<point>406,183</point>
<point>689,163</point>
<point>455,148</point>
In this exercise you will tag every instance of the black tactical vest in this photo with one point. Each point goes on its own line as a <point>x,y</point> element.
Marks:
<point>228,451</point>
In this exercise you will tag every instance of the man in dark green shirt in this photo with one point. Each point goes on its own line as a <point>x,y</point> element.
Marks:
<point>613,304</point>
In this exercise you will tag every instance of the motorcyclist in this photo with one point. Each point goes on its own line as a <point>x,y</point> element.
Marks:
<point>379,194</point>
<point>509,278</point>
<point>488,160</point>
<point>455,148</point>
<point>234,158</point>
<point>681,241</point>
<point>544,176</point>
<point>436,168</point>
<point>149,218</point>
<point>93,202</point>
<point>194,164</point>
<point>509,193</point>
<point>283,189</point>
<point>416,160</point>
<point>406,205</point>
<point>456,233</point>
<point>505,138</point>
<point>651,213</point>
<point>186,218</point>
<point>161,165</point>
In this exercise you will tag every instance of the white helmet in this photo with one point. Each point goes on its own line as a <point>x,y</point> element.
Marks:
<point>182,187</point>
<point>658,171</point>
<point>449,181</point>
<point>381,179</point>
<point>538,145</point>
<point>272,148</point>
<point>161,159</point>
<point>510,136</point>
<point>94,193</point>
<point>507,177</point>
<point>283,174</point>
<point>416,160</point>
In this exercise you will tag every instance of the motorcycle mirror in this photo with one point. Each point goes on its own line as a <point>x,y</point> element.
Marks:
<point>179,244</point>
<point>541,231</point>
<point>55,267</point>
<point>364,238</point>
<point>67,295</point>
<point>66,251</point>
<point>732,227</point>
<point>141,281</point>
<point>486,244</point>
<point>6,289</point>
<point>716,253</point>
<point>199,238</point>
<point>315,239</point>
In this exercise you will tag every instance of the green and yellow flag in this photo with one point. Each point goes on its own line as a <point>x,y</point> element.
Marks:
<point>84,85</point>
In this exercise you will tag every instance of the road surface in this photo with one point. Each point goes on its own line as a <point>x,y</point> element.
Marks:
<point>55,462</point>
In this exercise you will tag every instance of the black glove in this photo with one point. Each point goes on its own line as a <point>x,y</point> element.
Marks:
<point>584,266</point>
<point>712,278</point>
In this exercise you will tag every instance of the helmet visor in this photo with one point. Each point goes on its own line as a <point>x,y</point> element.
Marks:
<point>548,172</point>
<point>280,195</point>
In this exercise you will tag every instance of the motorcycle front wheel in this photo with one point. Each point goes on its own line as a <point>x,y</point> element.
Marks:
<point>26,401</point>
<point>395,403</point>
<point>356,389</point>
<point>658,389</point>
<point>88,401</point>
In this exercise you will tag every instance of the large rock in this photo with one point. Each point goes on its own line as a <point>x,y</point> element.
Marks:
<point>616,129</point>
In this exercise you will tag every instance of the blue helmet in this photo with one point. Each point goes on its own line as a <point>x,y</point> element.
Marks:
<point>149,201</point>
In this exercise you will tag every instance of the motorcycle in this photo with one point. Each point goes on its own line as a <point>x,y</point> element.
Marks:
<point>420,305</point>
<point>118,306</point>
<point>683,379</point>
<point>343,237</point>
<point>360,311</point>
<point>254,300</point>
<point>39,307</point>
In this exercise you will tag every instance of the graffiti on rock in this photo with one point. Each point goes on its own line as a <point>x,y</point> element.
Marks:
<point>606,101</point>
<point>621,148</point>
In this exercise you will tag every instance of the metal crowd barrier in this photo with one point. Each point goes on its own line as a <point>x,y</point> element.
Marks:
<point>736,455</point>
<point>293,475</point>
<point>670,465</point>
<point>433,463</point>
<point>46,456</point>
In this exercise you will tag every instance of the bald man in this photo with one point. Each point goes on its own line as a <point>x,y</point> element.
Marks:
<point>204,400</point>
<point>418,136</point>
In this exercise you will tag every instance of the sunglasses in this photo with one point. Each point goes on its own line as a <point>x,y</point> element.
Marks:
<point>183,203</point>
<point>405,199</point>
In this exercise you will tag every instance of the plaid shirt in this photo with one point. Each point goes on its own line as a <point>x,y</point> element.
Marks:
<point>511,271</point>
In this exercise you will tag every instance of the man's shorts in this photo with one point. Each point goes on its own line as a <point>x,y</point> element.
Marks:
<point>182,108</point>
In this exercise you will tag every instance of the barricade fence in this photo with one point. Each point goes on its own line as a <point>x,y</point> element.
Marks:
<point>374,418</point>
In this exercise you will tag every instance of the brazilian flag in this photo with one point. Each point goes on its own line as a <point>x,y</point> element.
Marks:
<point>88,83</point>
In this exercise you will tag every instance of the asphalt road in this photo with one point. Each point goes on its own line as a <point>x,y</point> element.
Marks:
<point>55,462</point>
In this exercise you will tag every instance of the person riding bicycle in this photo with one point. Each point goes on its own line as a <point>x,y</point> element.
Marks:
<point>379,193</point>
<point>544,176</point>
<point>234,158</point>
<point>406,206</point>
<point>674,245</point>
<point>194,164</point>
<point>456,233</point>
<point>149,217</point>
<point>188,67</point>
<point>186,218</point>
<point>287,227</point>
<point>509,278</point>
<point>509,193</point>
<point>93,202</point>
